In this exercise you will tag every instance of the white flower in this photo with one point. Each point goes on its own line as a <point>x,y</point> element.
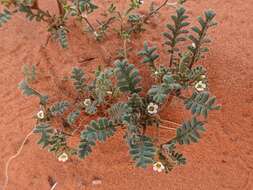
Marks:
<point>194,45</point>
<point>158,167</point>
<point>156,72</point>
<point>109,92</point>
<point>203,76</point>
<point>87,102</point>
<point>63,157</point>
<point>40,114</point>
<point>152,108</point>
<point>95,34</point>
<point>200,86</point>
<point>141,2</point>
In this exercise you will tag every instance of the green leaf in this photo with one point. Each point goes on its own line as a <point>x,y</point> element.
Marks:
<point>99,130</point>
<point>149,55</point>
<point>174,35</point>
<point>73,116</point>
<point>29,72</point>
<point>62,36</point>
<point>174,154</point>
<point>102,85</point>
<point>5,16</point>
<point>59,108</point>
<point>201,103</point>
<point>79,79</point>
<point>128,77</point>
<point>200,38</point>
<point>91,109</point>
<point>57,142</point>
<point>28,91</point>
<point>46,132</point>
<point>117,112</point>
<point>85,148</point>
<point>190,132</point>
<point>86,6</point>
<point>143,151</point>
<point>161,91</point>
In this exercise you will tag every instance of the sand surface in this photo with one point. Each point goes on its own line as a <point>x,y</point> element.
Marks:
<point>223,160</point>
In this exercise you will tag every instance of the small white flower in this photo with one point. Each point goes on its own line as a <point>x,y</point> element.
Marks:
<point>194,45</point>
<point>95,34</point>
<point>200,86</point>
<point>109,92</point>
<point>141,2</point>
<point>203,76</point>
<point>156,72</point>
<point>40,114</point>
<point>158,167</point>
<point>63,157</point>
<point>87,102</point>
<point>152,108</point>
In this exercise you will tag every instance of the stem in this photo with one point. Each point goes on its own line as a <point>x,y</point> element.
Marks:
<point>171,57</point>
<point>165,127</point>
<point>168,121</point>
<point>125,48</point>
<point>86,19</point>
<point>35,5</point>
<point>60,8</point>
<point>194,57</point>
<point>157,9</point>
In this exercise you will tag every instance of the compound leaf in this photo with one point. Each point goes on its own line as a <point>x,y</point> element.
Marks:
<point>190,131</point>
<point>59,108</point>
<point>201,103</point>
<point>128,77</point>
<point>142,151</point>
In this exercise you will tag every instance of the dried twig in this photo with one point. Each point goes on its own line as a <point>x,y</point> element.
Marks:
<point>13,157</point>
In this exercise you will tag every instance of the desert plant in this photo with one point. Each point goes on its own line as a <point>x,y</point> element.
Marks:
<point>115,98</point>
<point>130,21</point>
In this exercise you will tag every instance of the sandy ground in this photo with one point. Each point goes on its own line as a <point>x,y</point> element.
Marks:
<point>223,160</point>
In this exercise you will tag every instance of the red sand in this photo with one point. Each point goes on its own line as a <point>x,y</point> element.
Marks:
<point>223,160</point>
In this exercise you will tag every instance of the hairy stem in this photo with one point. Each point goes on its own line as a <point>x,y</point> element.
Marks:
<point>60,8</point>
<point>157,9</point>
<point>125,48</point>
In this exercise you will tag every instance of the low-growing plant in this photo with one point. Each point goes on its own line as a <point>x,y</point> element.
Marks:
<point>115,98</point>
<point>124,23</point>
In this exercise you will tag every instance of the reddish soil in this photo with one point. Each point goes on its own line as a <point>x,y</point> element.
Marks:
<point>223,160</point>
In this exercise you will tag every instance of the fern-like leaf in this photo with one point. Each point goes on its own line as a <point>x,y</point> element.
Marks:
<point>149,55</point>
<point>128,77</point>
<point>201,104</point>
<point>28,91</point>
<point>190,131</point>
<point>86,5</point>
<point>201,36</point>
<point>73,116</point>
<point>46,132</point>
<point>102,85</point>
<point>117,112</point>
<point>143,151</point>
<point>62,36</point>
<point>59,108</point>
<point>29,72</point>
<point>160,92</point>
<point>5,16</point>
<point>79,79</point>
<point>85,148</point>
<point>174,36</point>
<point>99,130</point>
